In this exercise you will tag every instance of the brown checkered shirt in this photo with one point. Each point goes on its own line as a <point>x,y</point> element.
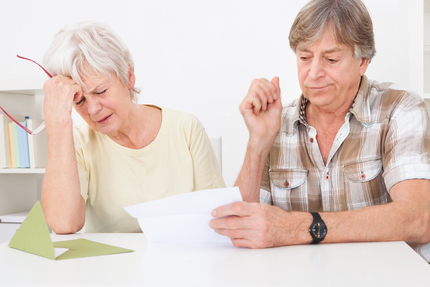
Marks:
<point>385,139</point>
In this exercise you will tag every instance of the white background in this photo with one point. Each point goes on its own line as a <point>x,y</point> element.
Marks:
<point>201,56</point>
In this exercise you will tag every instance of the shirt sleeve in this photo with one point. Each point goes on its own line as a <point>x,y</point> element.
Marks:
<point>265,191</point>
<point>407,143</point>
<point>207,173</point>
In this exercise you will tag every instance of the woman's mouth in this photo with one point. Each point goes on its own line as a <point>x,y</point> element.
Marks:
<point>104,120</point>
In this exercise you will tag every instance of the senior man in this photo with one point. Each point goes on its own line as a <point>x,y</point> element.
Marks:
<point>349,161</point>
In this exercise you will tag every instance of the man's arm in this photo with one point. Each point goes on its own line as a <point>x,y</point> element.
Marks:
<point>407,218</point>
<point>261,110</point>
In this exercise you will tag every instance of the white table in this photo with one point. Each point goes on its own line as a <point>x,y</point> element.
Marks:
<point>157,264</point>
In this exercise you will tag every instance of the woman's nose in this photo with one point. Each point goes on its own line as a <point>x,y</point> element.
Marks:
<point>93,105</point>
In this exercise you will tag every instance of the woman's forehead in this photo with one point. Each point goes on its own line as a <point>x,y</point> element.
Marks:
<point>90,76</point>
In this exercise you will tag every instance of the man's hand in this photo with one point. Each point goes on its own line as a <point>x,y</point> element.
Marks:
<point>256,225</point>
<point>261,109</point>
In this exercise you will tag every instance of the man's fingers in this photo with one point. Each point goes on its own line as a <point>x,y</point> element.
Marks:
<point>256,104</point>
<point>232,233</point>
<point>242,238</point>
<point>242,242</point>
<point>239,208</point>
<point>261,94</point>
<point>275,83</point>
<point>265,89</point>
<point>228,223</point>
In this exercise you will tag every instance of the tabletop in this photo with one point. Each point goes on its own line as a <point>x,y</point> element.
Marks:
<point>219,264</point>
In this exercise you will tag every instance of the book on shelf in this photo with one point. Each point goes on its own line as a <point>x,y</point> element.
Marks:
<point>11,146</point>
<point>23,145</point>
<point>15,142</point>
<point>5,161</point>
<point>37,145</point>
<point>18,149</point>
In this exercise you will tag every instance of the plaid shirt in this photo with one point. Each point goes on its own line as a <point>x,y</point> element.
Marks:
<point>385,139</point>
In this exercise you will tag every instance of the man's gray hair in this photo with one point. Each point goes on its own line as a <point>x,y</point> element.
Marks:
<point>93,44</point>
<point>349,21</point>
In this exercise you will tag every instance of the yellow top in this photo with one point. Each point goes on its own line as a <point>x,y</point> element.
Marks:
<point>179,160</point>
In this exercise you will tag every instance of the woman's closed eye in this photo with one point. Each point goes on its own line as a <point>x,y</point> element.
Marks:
<point>102,92</point>
<point>80,101</point>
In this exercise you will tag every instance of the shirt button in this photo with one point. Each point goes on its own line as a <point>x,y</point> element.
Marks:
<point>327,176</point>
<point>312,140</point>
<point>286,183</point>
<point>362,176</point>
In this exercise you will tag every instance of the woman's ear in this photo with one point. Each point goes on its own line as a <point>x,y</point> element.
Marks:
<point>131,77</point>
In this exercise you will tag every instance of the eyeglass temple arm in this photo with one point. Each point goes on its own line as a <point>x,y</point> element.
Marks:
<point>16,122</point>
<point>35,63</point>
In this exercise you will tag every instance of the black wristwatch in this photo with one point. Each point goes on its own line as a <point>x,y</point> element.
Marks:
<point>318,228</point>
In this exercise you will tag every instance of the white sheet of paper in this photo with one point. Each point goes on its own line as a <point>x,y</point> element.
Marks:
<point>59,251</point>
<point>185,217</point>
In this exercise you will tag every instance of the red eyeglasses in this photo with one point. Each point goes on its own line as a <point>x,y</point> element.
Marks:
<point>42,126</point>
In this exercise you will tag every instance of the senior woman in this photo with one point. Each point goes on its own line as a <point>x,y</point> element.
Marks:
<point>124,153</point>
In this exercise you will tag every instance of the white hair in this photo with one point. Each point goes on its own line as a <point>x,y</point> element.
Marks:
<point>93,44</point>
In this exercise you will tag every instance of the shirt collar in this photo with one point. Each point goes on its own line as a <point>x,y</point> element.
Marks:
<point>298,117</point>
<point>360,107</point>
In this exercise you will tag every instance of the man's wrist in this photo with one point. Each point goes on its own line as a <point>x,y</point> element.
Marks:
<point>300,231</point>
<point>259,147</point>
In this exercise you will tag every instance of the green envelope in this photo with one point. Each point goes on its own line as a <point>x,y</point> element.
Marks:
<point>33,237</point>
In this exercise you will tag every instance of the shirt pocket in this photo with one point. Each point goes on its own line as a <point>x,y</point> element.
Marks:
<point>364,184</point>
<point>288,188</point>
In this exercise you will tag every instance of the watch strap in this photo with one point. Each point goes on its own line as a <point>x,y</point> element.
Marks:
<point>316,216</point>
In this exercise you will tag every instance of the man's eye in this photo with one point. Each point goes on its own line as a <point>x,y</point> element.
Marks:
<point>102,92</point>
<point>305,59</point>
<point>332,61</point>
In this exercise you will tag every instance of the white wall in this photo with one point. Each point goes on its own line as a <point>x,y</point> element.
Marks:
<point>200,56</point>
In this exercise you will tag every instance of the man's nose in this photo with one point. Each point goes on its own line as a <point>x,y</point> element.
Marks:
<point>316,69</point>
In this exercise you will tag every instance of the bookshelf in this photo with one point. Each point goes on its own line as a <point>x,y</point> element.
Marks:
<point>22,171</point>
<point>20,188</point>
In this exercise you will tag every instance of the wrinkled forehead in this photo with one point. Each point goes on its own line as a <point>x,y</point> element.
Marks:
<point>88,74</point>
<point>327,42</point>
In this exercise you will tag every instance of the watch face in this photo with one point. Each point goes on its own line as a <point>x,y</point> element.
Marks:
<point>319,230</point>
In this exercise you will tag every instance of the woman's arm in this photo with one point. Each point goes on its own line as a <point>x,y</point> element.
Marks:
<point>62,203</point>
<point>207,173</point>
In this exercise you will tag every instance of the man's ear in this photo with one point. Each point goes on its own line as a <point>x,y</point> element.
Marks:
<point>131,77</point>
<point>363,65</point>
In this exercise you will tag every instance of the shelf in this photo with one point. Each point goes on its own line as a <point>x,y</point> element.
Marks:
<point>26,86</point>
<point>22,170</point>
<point>29,92</point>
<point>14,217</point>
